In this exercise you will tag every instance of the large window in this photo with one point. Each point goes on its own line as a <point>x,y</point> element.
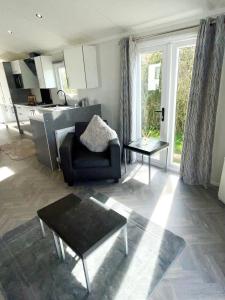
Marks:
<point>61,79</point>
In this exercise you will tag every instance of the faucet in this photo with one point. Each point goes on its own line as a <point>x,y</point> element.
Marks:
<point>61,91</point>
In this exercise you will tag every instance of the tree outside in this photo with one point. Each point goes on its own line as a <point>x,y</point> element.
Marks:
<point>151,95</point>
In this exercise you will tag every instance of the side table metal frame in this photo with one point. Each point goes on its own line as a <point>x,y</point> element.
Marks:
<point>149,160</point>
<point>61,253</point>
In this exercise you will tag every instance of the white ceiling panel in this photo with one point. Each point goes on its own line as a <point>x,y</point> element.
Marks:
<point>68,22</point>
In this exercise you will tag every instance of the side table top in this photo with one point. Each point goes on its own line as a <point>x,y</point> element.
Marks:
<point>147,146</point>
<point>82,224</point>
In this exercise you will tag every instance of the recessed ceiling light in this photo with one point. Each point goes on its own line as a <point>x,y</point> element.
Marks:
<point>10,32</point>
<point>39,16</point>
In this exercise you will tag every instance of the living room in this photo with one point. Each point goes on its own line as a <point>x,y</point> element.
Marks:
<point>112,176</point>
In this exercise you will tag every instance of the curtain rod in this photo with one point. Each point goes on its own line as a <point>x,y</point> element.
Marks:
<point>138,38</point>
<point>163,33</point>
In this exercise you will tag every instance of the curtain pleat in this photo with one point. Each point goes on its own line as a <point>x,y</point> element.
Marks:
<point>196,162</point>
<point>127,95</point>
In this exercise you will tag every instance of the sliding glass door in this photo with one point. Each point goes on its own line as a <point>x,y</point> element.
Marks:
<point>164,77</point>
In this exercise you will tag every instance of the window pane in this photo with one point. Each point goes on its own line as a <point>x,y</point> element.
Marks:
<point>64,82</point>
<point>151,80</point>
<point>151,73</point>
<point>185,66</point>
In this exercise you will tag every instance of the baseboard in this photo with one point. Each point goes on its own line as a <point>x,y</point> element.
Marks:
<point>215,183</point>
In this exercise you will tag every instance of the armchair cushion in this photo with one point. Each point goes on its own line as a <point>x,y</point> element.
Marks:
<point>97,135</point>
<point>84,158</point>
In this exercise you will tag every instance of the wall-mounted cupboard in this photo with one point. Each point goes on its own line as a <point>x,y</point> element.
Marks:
<point>6,106</point>
<point>81,67</point>
<point>33,73</point>
<point>45,72</point>
<point>24,73</point>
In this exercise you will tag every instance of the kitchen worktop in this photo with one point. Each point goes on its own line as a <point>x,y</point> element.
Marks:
<point>45,122</point>
<point>37,111</point>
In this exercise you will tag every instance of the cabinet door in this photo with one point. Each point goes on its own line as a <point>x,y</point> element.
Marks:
<point>2,113</point>
<point>4,85</point>
<point>90,63</point>
<point>16,67</point>
<point>74,65</point>
<point>45,72</point>
<point>48,72</point>
<point>30,80</point>
<point>40,74</point>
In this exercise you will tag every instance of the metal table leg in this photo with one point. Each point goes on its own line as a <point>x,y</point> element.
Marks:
<point>56,244</point>
<point>86,275</point>
<point>142,161</point>
<point>149,169</point>
<point>167,149</point>
<point>62,248</point>
<point>42,227</point>
<point>125,239</point>
<point>125,159</point>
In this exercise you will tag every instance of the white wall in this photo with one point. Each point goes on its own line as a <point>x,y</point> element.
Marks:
<point>219,140</point>
<point>108,93</point>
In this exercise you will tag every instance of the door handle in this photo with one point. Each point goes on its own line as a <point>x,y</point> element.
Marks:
<point>162,113</point>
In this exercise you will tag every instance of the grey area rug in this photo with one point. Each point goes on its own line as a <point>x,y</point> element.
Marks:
<point>19,150</point>
<point>30,268</point>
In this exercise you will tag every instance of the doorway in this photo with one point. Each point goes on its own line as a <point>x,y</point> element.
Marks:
<point>163,85</point>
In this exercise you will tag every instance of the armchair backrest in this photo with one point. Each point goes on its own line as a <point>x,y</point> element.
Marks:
<point>80,128</point>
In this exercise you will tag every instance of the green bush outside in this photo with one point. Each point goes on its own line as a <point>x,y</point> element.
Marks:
<point>151,99</point>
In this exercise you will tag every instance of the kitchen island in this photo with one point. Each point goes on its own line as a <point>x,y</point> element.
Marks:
<point>46,121</point>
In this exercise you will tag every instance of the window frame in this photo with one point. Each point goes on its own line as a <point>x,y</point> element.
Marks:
<point>59,85</point>
<point>169,45</point>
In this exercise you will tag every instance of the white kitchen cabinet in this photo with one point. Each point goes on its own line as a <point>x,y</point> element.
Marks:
<point>16,67</point>
<point>5,98</point>
<point>24,69</point>
<point>81,67</point>
<point>8,113</point>
<point>5,92</point>
<point>30,79</point>
<point>45,72</point>
<point>24,112</point>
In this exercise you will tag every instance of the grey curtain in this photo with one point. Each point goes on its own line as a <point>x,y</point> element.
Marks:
<point>196,159</point>
<point>127,94</point>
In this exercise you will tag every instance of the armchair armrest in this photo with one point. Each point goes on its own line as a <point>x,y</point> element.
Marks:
<point>115,157</point>
<point>66,156</point>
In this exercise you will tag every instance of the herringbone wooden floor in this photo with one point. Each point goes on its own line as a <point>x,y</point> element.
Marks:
<point>191,212</point>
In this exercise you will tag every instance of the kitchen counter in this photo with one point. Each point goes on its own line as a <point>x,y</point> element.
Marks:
<point>46,121</point>
<point>35,112</point>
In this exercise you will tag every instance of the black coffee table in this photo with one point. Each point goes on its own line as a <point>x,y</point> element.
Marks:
<point>82,224</point>
<point>146,146</point>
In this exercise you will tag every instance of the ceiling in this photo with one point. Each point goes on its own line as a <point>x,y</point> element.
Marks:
<point>68,22</point>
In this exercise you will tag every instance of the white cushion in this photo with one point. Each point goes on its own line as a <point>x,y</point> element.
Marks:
<point>97,135</point>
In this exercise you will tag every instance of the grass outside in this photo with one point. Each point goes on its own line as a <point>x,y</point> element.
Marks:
<point>177,145</point>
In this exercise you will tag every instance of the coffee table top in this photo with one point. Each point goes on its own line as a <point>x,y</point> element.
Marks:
<point>147,146</point>
<point>82,224</point>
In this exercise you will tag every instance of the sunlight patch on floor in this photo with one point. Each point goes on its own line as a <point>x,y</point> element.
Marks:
<point>150,243</point>
<point>140,173</point>
<point>96,259</point>
<point>162,209</point>
<point>5,173</point>
<point>143,176</point>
